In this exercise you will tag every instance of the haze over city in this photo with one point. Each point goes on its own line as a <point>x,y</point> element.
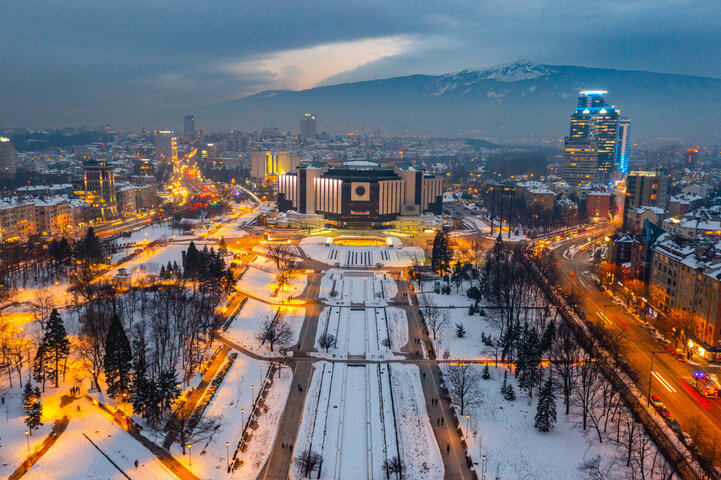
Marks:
<point>355,241</point>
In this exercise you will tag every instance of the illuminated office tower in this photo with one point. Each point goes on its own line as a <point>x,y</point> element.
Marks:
<point>307,127</point>
<point>7,159</point>
<point>580,161</point>
<point>595,120</point>
<point>99,182</point>
<point>268,165</point>
<point>623,145</point>
<point>189,125</point>
<point>166,146</point>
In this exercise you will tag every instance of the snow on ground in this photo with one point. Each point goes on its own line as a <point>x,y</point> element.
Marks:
<point>416,442</point>
<point>151,260</point>
<point>497,424</point>
<point>319,248</point>
<point>259,282</point>
<point>245,326</point>
<point>340,287</point>
<point>234,394</point>
<point>233,228</point>
<point>351,416</point>
<point>73,456</point>
<point>362,332</point>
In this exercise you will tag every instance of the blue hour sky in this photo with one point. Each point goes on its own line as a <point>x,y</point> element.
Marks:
<point>82,60</point>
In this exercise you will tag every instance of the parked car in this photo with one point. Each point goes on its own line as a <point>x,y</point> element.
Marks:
<point>663,411</point>
<point>656,402</point>
<point>672,350</point>
<point>673,423</point>
<point>680,357</point>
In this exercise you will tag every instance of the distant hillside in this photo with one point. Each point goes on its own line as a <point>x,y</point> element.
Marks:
<point>517,102</point>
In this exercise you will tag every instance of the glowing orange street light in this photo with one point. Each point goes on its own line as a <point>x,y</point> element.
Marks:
<point>27,438</point>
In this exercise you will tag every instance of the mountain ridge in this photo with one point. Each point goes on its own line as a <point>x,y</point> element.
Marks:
<point>519,101</point>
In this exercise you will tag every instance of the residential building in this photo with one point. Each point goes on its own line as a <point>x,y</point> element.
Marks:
<point>8,165</point>
<point>580,161</point>
<point>645,189</point>
<point>99,182</point>
<point>17,219</point>
<point>166,146</point>
<point>598,206</point>
<point>189,126</point>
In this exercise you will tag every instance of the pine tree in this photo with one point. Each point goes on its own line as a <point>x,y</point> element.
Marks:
<point>118,360</point>
<point>55,344</point>
<point>39,365</point>
<point>169,270</point>
<point>168,389</point>
<point>546,410</point>
<point>460,330</point>
<point>162,271</point>
<point>548,335</point>
<point>91,250</point>
<point>192,262</point>
<point>510,393</point>
<point>139,387</point>
<point>529,359</point>
<point>486,373</point>
<point>33,407</point>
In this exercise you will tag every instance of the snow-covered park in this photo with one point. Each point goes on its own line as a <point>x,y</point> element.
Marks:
<point>249,320</point>
<point>358,416</point>
<point>261,280</point>
<point>339,287</point>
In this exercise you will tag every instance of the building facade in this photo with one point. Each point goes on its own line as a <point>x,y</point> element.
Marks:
<point>266,166</point>
<point>308,127</point>
<point>7,159</point>
<point>166,146</point>
<point>189,126</point>
<point>580,161</point>
<point>99,181</point>
<point>360,194</point>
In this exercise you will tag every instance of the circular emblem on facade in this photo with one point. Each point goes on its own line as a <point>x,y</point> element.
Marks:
<point>360,190</point>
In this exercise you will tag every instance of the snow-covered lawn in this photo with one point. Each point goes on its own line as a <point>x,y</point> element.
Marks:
<point>73,456</point>
<point>319,248</point>
<point>504,432</point>
<point>356,420</point>
<point>244,328</point>
<point>259,280</point>
<point>362,332</point>
<point>234,394</point>
<point>151,260</point>
<point>340,287</point>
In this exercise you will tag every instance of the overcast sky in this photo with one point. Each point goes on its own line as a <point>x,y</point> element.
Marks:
<point>79,60</point>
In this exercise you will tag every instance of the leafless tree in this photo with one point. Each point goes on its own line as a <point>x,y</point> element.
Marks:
<point>308,462</point>
<point>43,304</point>
<point>275,332</point>
<point>463,383</point>
<point>282,254</point>
<point>565,354</point>
<point>91,340</point>
<point>584,390</point>
<point>187,429</point>
<point>393,466</point>
<point>437,319</point>
<point>595,469</point>
<point>327,341</point>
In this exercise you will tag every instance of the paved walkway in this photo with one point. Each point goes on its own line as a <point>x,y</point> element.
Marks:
<point>58,429</point>
<point>199,391</point>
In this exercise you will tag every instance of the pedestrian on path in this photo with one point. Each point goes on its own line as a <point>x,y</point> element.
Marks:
<point>448,448</point>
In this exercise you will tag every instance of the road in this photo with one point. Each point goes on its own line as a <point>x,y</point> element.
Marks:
<point>671,379</point>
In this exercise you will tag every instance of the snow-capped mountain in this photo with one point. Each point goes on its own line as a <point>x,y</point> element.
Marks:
<point>520,101</point>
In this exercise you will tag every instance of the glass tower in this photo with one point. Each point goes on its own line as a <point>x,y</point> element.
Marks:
<point>595,120</point>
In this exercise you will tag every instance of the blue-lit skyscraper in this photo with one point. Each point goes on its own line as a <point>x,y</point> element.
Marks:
<point>595,120</point>
<point>623,145</point>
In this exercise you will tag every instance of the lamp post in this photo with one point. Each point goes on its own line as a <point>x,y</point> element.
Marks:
<point>483,467</point>
<point>467,417</point>
<point>650,377</point>
<point>27,438</point>
<point>261,375</point>
<point>252,394</point>
<point>190,457</point>
<point>227,457</point>
<point>242,416</point>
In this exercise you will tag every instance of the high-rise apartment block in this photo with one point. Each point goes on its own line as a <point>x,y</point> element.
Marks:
<point>580,161</point>
<point>307,127</point>
<point>594,123</point>
<point>100,188</point>
<point>189,125</point>
<point>166,146</point>
<point>644,189</point>
<point>7,159</point>
<point>268,165</point>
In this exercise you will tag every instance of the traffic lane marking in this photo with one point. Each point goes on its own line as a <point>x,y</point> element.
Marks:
<point>695,395</point>
<point>663,381</point>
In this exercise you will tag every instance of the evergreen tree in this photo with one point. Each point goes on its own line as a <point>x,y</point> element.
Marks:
<point>139,388</point>
<point>118,360</point>
<point>90,249</point>
<point>162,272</point>
<point>441,257</point>
<point>509,393</point>
<point>486,373</point>
<point>168,390</point>
<point>192,261</point>
<point>460,330</point>
<point>529,359</point>
<point>39,365</point>
<point>548,335</point>
<point>546,410</point>
<point>169,270</point>
<point>55,346</point>
<point>33,407</point>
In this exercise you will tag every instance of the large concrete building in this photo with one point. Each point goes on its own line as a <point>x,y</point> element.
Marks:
<point>645,189</point>
<point>308,127</point>
<point>166,146</point>
<point>7,159</point>
<point>580,161</point>
<point>360,194</point>
<point>268,165</point>
<point>99,181</point>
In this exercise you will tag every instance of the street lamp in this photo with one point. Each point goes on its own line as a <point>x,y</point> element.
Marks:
<point>483,467</point>
<point>467,417</point>
<point>252,394</point>
<point>242,416</point>
<point>27,438</point>
<point>261,374</point>
<point>190,457</point>
<point>227,457</point>
<point>650,376</point>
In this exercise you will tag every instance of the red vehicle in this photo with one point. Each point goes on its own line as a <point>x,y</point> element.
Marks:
<point>704,385</point>
<point>672,350</point>
<point>656,402</point>
<point>663,411</point>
